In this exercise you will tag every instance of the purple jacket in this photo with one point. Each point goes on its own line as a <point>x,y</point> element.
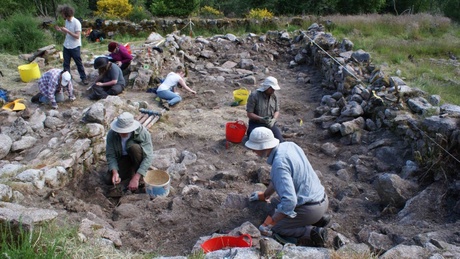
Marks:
<point>122,54</point>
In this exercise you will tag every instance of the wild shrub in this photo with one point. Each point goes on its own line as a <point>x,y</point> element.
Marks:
<point>209,12</point>
<point>138,14</point>
<point>21,34</point>
<point>113,9</point>
<point>259,14</point>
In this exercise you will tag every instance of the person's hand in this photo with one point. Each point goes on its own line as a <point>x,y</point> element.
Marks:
<point>266,227</point>
<point>257,196</point>
<point>193,91</point>
<point>134,183</point>
<point>72,98</point>
<point>98,83</point>
<point>57,28</point>
<point>118,63</point>
<point>271,122</point>
<point>115,178</point>
<point>54,105</point>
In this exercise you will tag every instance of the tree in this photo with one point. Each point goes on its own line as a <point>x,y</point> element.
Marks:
<point>180,8</point>
<point>360,6</point>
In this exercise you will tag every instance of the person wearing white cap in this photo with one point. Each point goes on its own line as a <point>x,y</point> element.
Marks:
<point>301,202</point>
<point>51,85</point>
<point>129,151</point>
<point>263,107</point>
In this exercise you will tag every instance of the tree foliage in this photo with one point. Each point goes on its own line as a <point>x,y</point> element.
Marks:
<point>179,8</point>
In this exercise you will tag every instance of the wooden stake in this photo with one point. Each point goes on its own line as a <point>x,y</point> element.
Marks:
<point>145,117</point>
<point>152,122</point>
<point>148,120</point>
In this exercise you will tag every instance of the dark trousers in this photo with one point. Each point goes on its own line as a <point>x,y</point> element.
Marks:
<point>276,131</point>
<point>76,55</point>
<point>300,226</point>
<point>101,92</point>
<point>127,165</point>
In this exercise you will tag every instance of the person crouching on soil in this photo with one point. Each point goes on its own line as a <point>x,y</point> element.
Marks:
<point>51,86</point>
<point>299,215</point>
<point>110,80</point>
<point>129,151</point>
<point>263,107</point>
<point>120,55</point>
<point>166,90</point>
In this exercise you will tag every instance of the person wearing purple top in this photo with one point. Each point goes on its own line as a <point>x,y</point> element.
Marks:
<point>120,55</point>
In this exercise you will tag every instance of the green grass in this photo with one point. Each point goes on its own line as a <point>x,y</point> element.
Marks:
<point>392,39</point>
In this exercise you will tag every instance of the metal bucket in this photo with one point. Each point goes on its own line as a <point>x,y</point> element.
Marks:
<point>157,183</point>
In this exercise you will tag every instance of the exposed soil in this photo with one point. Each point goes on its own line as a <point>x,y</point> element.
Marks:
<point>211,194</point>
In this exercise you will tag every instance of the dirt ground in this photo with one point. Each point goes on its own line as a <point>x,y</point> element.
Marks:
<point>211,195</point>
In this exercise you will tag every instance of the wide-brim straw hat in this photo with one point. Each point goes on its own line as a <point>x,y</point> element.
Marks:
<point>261,138</point>
<point>125,123</point>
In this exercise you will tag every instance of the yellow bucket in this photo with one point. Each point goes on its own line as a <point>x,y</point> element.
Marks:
<point>29,72</point>
<point>241,95</point>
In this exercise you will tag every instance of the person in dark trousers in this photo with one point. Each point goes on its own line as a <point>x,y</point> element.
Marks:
<point>72,42</point>
<point>263,108</point>
<point>129,151</point>
<point>110,80</point>
<point>301,203</point>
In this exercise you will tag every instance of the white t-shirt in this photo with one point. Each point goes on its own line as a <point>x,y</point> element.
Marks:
<point>74,25</point>
<point>170,81</point>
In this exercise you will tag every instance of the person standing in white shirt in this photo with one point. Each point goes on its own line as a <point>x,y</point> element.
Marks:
<point>72,42</point>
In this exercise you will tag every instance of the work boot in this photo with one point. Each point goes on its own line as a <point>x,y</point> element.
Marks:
<point>84,81</point>
<point>324,221</point>
<point>318,236</point>
<point>36,98</point>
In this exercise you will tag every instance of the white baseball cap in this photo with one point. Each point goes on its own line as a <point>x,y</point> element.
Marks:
<point>65,78</point>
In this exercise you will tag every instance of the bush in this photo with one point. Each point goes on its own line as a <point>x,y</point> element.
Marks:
<point>21,34</point>
<point>113,9</point>
<point>138,14</point>
<point>259,14</point>
<point>209,12</point>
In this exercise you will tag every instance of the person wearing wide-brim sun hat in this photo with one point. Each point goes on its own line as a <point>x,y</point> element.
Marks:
<point>301,202</point>
<point>129,151</point>
<point>110,80</point>
<point>263,107</point>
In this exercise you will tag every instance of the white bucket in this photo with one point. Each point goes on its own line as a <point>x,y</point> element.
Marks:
<point>157,183</point>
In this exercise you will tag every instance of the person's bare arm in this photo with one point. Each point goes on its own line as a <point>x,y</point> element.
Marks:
<point>184,85</point>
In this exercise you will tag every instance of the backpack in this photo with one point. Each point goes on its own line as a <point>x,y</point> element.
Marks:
<point>96,35</point>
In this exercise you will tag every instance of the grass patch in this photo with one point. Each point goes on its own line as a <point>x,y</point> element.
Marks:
<point>419,45</point>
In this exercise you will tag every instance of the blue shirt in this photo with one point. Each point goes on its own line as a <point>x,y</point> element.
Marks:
<point>293,178</point>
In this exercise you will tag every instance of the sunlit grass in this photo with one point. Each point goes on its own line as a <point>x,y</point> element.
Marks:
<point>417,45</point>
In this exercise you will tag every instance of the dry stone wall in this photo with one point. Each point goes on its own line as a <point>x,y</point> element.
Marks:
<point>365,97</point>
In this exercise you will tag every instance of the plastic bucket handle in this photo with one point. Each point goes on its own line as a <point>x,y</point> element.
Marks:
<point>243,236</point>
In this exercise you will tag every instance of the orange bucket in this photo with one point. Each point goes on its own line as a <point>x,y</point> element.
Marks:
<point>218,243</point>
<point>235,130</point>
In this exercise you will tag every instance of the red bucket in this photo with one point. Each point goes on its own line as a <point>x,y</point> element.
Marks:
<point>218,243</point>
<point>235,130</point>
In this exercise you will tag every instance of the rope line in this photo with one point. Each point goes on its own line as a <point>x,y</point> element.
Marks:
<point>426,135</point>
<point>335,60</point>
<point>432,140</point>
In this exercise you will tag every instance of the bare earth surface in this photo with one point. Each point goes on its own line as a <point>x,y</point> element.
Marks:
<point>211,195</point>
